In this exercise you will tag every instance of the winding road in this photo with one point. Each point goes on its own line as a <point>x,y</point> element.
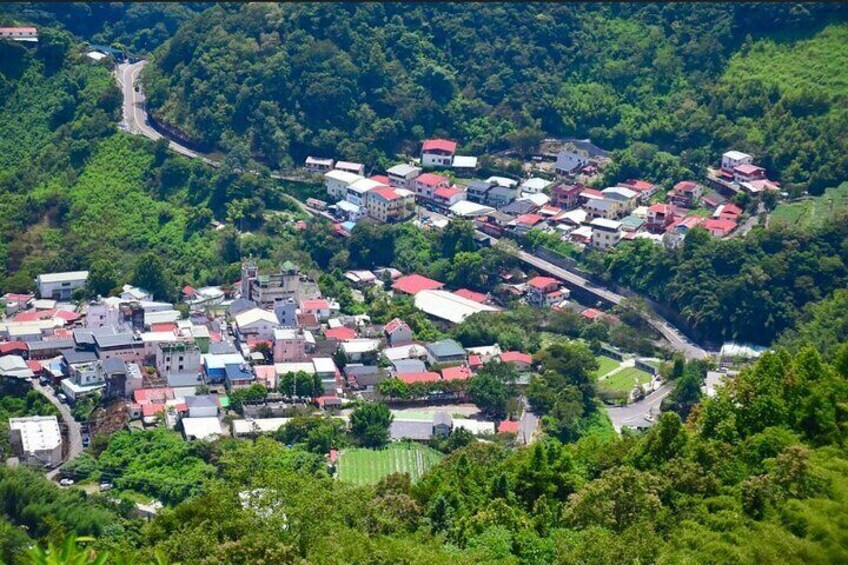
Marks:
<point>74,430</point>
<point>639,414</point>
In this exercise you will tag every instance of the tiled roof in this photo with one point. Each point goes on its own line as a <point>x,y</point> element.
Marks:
<point>413,284</point>
<point>425,377</point>
<point>439,145</point>
<point>542,282</point>
<point>459,373</point>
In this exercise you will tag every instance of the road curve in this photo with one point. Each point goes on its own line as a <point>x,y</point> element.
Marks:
<point>639,413</point>
<point>73,427</point>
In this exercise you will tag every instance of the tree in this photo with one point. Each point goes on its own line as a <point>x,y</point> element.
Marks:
<point>102,279</point>
<point>152,275</point>
<point>491,388</point>
<point>369,424</point>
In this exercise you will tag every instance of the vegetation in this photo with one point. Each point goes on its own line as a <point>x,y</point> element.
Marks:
<point>623,381</point>
<point>369,424</point>
<point>813,212</point>
<point>368,466</point>
<point>17,399</point>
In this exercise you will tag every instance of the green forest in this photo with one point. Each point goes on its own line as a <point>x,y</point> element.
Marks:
<point>755,474</point>
<point>670,87</point>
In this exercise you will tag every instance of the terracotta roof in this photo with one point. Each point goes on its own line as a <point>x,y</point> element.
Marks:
<point>471,295</point>
<point>164,327</point>
<point>307,320</point>
<point>516,357</point>
<point>475,361</point>
<point>143,395</point>
<point>431,179</point>
<point>383,179</point>
<point>529,219</point>
<point>385,193</point>
<point>637,185</point>
<point>685,186</point>
<point>395,325</point>
<point>542,282</point>
<point>748,169</point>
<point>18,29</point>
<point>731,209</point>
<point>458,373</point>
<point>413,284</point>
<point>722,225</point>
<point>10,346</point>
<point>189,291</point>
<point>315,304</point>
<point>447,192</point>
<point>425,377</point>
<point>661,208</point>
<point>508,427</point>
<point>341,333</point>
<point>591,313</point>
<point>591,192</point>
<point>439,145</point>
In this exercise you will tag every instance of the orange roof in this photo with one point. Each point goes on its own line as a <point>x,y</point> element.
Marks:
<point>395,325</point>
<point>415,283</point>
<point>423,377</point>
<point>591,313</point>
<point>508,427</point>
<point>471,295</point>
<point>148,395</point>
<point>383,179</point>
<point>341,333</point>
<point>385,193</point>
<point>431,179</point>
<point>637,185</point>
<point>315,304</point>
<point>516,357</point>
<point>447,192</point>
<point>458,373</point>
<point>542,282</point>
<point>529,219</point>
<point>163,327</point>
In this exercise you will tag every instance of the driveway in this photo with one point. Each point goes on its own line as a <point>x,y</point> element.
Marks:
<point>74,433</point>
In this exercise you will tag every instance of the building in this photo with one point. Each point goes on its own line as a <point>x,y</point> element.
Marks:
<point>447,196</point>
<point>415,283</point>
<point>336,183</point>
<point>628,199</point>
<point>543,291</point>
<point>448,306</point>
<point>605,208</point>
<point>500,196</point>
<point>60,286</point>
<point>19,33</point>
<point>201,428</point>
<point>289,345</point>
<point>733,159</point>
<point>266,290</point>
<point>521,361</point>
<point>605,233</point>
<point>357,191</point>
<point>389,205</point>
<point>687,194</point>
<point>357,350</point>
<point>446,351</point>
<point>256,323</point>
<point>643,188</point>
<point>126,346</point>
<point>403,175</point>
<point>569,163</point>
<point>659,217</point>
<point>427,184</point>
<point>202,406</point>
<point>566,196</point>
<point>320,307</point>
<point>238,375</point>
<point>419,429</point>
<point>397,332</point>
<point>719,227</point>
<point>179,358</point>
<point>535,185</point>
<point>748,173</point>
<point>36,440</point>
<point>349,167</point>
<point>319,165</point>
<point>438,152</point>
<point>478,191</point>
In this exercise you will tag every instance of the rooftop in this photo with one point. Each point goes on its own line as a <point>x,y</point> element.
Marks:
<point>445,145</point>
<point>448,305</point>
<point>431,179</point>
<point>415,283</point>
<point>38,433</point>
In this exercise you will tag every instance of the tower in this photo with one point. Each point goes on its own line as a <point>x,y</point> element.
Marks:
<point>249,272</point>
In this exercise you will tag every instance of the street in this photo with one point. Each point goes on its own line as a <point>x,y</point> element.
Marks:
<point>74,435</point>
<point>528,425</point>
<point>641,413</point>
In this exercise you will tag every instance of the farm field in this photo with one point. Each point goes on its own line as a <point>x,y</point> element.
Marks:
<point>624,380</point>
<point>367,466</point>
<point>813,211</point>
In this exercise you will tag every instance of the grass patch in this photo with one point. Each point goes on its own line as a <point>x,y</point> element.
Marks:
<point>623,381</point>
<point>367,466</point>
<point>605,365</point>
<point>814,211</point>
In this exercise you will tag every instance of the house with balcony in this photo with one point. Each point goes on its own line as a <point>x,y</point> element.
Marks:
<point>543,291</point>
<point>686,193</point>
<point>403,175</point>
<point>605,233</point>
<point>427,184</point>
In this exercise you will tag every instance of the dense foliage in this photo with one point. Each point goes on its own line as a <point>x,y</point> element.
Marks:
<point>656,81</point>
<point>750,289</point>
<point>17,399</point>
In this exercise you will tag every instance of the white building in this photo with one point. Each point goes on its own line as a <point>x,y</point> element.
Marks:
<point>733,159</point>
<point>36,439</point>
<point>257,322</point>
<point>535,185</point>
<point>59,286</point>
<point>336,182</point>
<point>605,233</point>
<point>448,306</point>
<point>403,176</point>
<point>178,358</point>
<point>319,165</point>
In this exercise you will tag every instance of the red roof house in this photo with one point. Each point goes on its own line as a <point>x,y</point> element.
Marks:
<point>423,377</point>
<point>528,219</point>
<point>508,427</point>
<point>471,295</point>
<point>516,357</point>
<point>458,373</point>
<point>542,283</point>
<point>719,227</point>
<point>439,145</point>
<point>382,179</point>
<point>415,283</point>
<point>342,333</point>
<point>591,314</point>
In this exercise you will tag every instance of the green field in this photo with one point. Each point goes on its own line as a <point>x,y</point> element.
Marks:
<point>367,466</point>
<point>605,365</point>
<point>813,211</point>
<point>623,381</point>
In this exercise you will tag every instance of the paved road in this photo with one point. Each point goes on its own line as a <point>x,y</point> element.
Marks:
<point>74,430</point>
<point>639,413</point>
<point>675,337</point>
<point>528,425</point>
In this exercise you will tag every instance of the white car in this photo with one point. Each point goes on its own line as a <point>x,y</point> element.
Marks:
<point>66,482</point>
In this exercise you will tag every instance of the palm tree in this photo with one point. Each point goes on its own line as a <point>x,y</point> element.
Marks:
<point>69,553</point>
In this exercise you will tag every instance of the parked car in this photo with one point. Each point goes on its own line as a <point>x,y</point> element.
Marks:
<point>86,440</point>
<point>106,486</point>
<point>45,381</point>
<point>62,397</point>
<point>66,482</point>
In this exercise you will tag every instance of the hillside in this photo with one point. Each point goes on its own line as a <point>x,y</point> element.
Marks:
<point>368,81</point>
